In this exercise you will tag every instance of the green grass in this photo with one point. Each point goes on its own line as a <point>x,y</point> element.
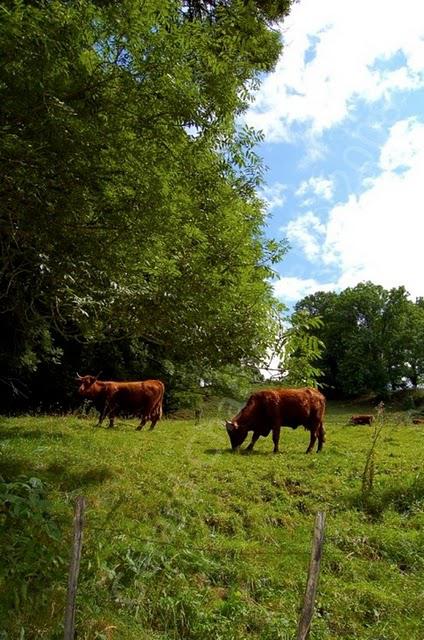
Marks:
<point>184,539</point>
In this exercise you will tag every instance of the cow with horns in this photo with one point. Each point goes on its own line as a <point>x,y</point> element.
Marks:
<point>142,398</point>
<point>269,410</point>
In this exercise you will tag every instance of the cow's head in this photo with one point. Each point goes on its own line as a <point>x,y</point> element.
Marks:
<point>87,386</point>
<point>236,433</point>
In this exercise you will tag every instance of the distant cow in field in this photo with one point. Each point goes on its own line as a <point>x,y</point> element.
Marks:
<point>363,419</point>
<point>418,421</point>
<point>143,398</point>
<point>269,410</point>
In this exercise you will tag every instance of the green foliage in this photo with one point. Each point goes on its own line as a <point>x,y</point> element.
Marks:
<point>301,349</point>
<point>371,338</point>
<point>298,351</point>
<point>128,206</point>
<point>31,545</point>
<point>230,385</point>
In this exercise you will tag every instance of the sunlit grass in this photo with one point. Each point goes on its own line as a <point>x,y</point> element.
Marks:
<point>184,539</point>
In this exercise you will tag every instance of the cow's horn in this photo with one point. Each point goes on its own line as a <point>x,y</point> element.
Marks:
<point>78,377</point>
<point>99,374</point>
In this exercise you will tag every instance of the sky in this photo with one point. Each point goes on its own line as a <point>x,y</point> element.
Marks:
<point>343,120</point>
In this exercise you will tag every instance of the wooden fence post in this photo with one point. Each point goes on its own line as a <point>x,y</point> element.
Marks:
<point>74,566</point>
<point>313,574</point>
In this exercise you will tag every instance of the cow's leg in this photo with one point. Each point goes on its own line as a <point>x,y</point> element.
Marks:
<point>255,436</point>
<point>276,437</point>
<point>112,414</point>
<point>321,436</point>
<point>155,416</point>
<point>109,409</point>
<point>154,421</point>
<point>142,423</point>
<point>312,440</point>
<point>102,416</point>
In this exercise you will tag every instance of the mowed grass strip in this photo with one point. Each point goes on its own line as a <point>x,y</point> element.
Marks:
<point>184,539</point>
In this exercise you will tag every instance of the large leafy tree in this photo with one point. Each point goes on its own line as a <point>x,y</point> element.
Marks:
<point>371,336</point>
<point>128,202</point>
<point>405,343</point>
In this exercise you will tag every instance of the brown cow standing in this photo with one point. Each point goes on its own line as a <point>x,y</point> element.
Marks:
<point>269,410</point>
<point>363,419</point>
<point>142,398</point>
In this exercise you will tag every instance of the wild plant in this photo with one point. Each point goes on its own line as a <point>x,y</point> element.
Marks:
<point>369,468</point>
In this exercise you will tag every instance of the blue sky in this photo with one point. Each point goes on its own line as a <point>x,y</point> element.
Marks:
<point>343,118</point>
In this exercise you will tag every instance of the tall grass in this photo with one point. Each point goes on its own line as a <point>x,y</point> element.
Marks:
<point>369,468</point>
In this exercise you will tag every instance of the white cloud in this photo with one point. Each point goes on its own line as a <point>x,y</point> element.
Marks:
<point>405,146</point>
<point>307,231</point>
<point>273,195</point>
<point>336,52</point>
<point>321,187</point>
<point>377,235</point>
<point>292,289</point>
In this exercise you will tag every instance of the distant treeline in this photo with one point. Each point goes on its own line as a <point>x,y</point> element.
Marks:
<point>373,339</point>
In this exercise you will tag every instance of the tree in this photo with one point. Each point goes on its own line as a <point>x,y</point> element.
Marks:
<point>301,351</point>
<point>407,346</point>
<point>363,367</point>
<point>371,336</point>
<point>128,203</point>
<point>297,351</point>
<point>321,305</point>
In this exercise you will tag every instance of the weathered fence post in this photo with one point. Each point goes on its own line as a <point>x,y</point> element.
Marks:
<point>313,574</point>
<point>74,565</point>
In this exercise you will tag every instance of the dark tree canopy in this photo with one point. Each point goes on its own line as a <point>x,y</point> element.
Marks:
<point>129,211</point>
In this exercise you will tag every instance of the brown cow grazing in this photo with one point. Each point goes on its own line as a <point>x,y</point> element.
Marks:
<point>418,421</point>
<point>272,409</point>
<point>143,398</point>
<point>364,419</point>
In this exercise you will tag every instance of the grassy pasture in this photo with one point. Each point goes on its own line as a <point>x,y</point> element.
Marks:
<point>183,539</point>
